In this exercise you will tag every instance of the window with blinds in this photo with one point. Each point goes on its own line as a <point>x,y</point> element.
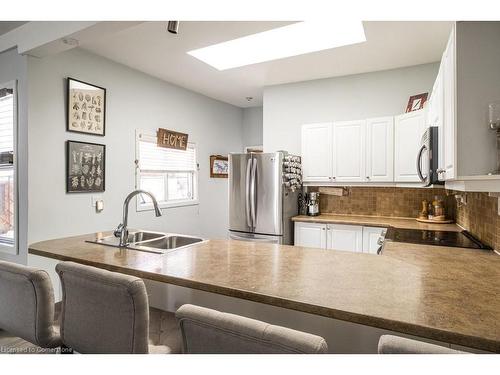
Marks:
<point>169,174</point>
<point>7,183</point>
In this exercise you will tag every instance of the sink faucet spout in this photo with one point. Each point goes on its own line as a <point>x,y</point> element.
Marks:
<point>122,229</point>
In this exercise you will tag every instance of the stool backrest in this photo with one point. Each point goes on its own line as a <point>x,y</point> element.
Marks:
<point>27,304</point>
<point>103,311</point>
<point>213,332</point>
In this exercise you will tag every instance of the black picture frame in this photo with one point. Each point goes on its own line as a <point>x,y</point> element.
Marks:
<point>75,172</point>
<point>70,120</point>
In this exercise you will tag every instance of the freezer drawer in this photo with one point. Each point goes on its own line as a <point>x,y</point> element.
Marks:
<point>241,236</point>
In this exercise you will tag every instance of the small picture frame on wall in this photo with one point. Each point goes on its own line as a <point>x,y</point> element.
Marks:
<point>86,108</point>
<point>219,166</point>
<point>416,102</point>
<point>85,167</point>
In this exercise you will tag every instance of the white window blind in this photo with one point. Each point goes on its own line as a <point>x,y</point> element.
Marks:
<point>170,175</point>
<point>154,158</point>
<point>6,123</point>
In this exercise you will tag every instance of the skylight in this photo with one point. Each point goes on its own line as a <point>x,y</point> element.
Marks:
<point>291,40</point>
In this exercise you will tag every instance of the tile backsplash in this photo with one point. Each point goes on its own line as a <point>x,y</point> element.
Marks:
<point>478,216</point>
<point>383,201</point>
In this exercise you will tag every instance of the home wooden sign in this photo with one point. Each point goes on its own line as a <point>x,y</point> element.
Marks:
<point>170,139</point>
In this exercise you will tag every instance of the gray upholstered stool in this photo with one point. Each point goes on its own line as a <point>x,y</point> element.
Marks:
<point>104,312</point>
<point>398,345</point>
<point>26,310</point>
<point>213,332</point>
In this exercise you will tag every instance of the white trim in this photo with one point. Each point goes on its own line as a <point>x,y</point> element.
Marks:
<point>14,248</point>
<point>149,135</point>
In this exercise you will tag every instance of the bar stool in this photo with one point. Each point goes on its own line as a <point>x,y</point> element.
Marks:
<point>389,344</point>
<point>104,312</point>
<point>206,331</point>
<point>26,309</point>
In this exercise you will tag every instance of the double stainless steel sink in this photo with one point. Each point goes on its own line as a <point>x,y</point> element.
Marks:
<point>152,242</point>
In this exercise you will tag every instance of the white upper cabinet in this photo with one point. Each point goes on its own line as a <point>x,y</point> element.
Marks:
<point>380,149</point>
<point>349,151</point>
<point>408,131</point>
<point>317,152</point>
<point>344,237</point>
<point>447,165</point>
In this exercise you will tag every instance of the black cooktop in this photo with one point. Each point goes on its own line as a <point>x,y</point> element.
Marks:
<point>437,238</point>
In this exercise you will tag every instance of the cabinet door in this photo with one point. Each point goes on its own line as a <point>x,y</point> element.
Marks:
<point>408,131</point>
<point>310,235</point>
<point>370,239</point>
<point>449,110</point>
<point>345,237</point>
<point>349,151</point>
<point>317,152</point>
<point>380,149</point>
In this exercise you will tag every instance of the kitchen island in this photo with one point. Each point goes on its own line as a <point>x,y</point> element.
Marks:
<point>438,293</point>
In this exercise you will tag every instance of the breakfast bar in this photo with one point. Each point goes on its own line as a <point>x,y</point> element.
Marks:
<point>410,289</point>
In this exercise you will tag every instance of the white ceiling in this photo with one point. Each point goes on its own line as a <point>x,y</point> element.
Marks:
<point>6,26</point>
<point>148,47</point>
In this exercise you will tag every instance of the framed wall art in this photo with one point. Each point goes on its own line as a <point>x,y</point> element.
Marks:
<point>219,166</point>
<point>86,108</point>
<point>85,167</point>
<point>416,102</point>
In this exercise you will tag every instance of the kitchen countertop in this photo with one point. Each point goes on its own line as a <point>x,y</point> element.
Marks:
<point>450,295</point>
<point>376,221</point>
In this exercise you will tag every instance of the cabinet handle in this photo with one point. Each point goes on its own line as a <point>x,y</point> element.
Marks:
<point>333,178</point>
<point>367,177</point>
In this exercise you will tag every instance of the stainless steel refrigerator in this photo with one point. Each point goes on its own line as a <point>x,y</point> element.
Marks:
<point>260,205</point>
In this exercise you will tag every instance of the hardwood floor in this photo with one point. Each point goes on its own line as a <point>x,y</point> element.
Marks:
<point>163,330</point>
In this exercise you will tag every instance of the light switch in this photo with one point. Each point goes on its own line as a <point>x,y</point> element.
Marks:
<point>98,203</point>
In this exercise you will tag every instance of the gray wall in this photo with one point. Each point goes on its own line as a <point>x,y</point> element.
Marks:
<point>287,107</point>
<point>134,100</point>
<point>252,126</point>
<point>14,67</point>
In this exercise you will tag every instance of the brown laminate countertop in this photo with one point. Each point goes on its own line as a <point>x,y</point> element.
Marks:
<point>376,221</point>
<point>451,295</point>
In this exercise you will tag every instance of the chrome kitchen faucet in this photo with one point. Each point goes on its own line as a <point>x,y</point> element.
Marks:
<point>122,229</point>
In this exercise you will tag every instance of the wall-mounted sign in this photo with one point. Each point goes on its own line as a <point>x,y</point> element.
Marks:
<point>170,139</point>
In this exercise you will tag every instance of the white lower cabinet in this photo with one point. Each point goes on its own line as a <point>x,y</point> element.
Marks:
<point>329,236</point>
<point>310,235</point>
<point>344,237</point>
<point>371,236</point>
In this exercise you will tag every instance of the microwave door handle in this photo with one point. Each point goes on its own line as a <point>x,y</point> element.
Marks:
<point>253,196</point>
<point>247,192</point>
<point>419,161</point>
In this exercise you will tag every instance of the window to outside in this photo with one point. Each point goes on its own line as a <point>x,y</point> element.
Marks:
<point>170,175</point>
<point>7,175</point>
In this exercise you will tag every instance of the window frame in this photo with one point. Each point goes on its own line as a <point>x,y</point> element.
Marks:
<point>139,135</point>
<point>7,248</point>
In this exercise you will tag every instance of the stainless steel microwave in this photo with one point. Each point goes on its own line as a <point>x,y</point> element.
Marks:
<point>427,157</point>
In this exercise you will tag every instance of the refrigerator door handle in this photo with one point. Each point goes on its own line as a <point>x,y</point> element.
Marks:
<point>253,196</point>
<point>247,192</point>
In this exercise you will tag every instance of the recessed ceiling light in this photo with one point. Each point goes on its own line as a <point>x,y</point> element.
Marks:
<point>291,40</point>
